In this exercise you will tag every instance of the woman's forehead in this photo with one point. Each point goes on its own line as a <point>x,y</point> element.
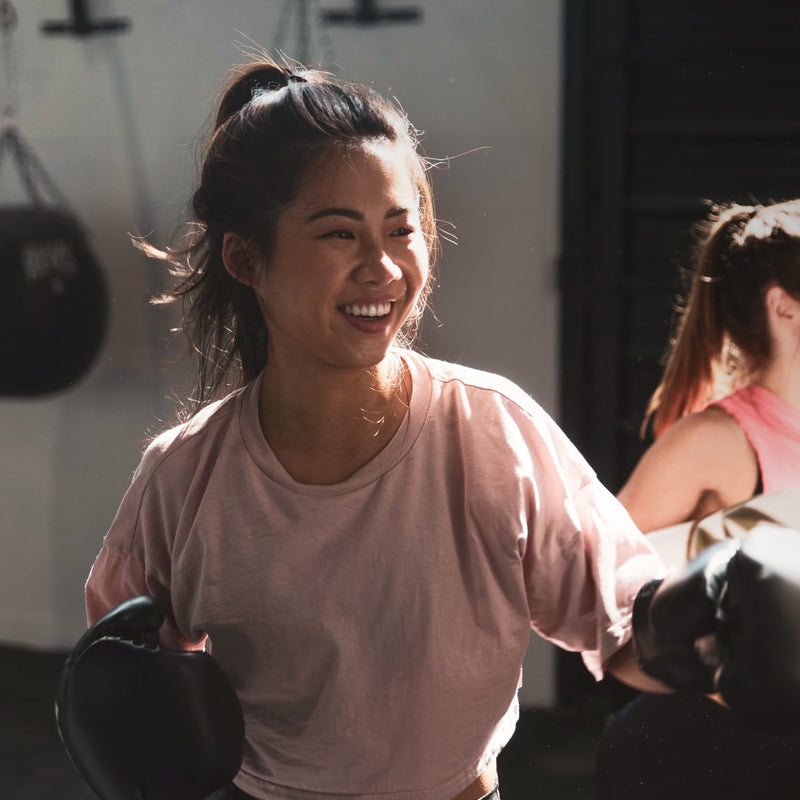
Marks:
<point>370,170</point>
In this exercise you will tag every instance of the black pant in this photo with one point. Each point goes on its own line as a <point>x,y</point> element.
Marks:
<point>687,747</point>
<point>229,792</point>
<point>235,793</point>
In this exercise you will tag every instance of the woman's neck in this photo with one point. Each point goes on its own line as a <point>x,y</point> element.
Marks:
<point>781,374</point>
<point>782,378</point>
<point>324,426</point>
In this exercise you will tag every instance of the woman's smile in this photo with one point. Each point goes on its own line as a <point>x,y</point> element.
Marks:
<point>349,262</point>
<point>368,310</point>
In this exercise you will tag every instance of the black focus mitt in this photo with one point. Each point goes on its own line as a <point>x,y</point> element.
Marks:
<point>728,623</point>
<point>139,722</point>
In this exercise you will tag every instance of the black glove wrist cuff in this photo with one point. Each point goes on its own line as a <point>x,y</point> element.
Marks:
<point>643,637</point>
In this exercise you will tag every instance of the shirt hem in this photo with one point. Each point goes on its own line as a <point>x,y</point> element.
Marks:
<point>266,790</point>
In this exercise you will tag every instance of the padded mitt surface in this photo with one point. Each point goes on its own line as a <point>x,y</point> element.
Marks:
<point>140,723</point>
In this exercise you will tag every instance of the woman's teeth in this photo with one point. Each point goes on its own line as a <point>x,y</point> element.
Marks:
<point>371,310</point>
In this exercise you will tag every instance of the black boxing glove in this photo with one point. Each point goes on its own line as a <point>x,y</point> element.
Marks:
<point>759,633</point>
<point>142,724</point>
<point>675,621</point>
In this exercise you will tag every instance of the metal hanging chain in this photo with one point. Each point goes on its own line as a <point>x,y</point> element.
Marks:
<point>324,39</point>
<point>10,96</point>
<point>306,11</point>
<point>284,21</point>
<point>31,171</point>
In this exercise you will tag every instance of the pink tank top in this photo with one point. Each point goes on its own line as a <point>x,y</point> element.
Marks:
<point>773,428</point>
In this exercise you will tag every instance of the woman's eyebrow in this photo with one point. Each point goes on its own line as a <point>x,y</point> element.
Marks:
<point>336,212</point>
<point>397,211</point>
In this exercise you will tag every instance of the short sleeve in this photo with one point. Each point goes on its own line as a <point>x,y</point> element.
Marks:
<point>584,560</point>
<point>621,561</point>
<point>135,558</point>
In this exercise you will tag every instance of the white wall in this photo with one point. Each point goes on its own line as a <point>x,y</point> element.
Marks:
<point>114,119</point>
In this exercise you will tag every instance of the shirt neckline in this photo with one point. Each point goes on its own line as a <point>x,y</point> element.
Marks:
<point>394,452</point>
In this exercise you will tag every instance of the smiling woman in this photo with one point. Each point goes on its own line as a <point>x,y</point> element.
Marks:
<point>345,273</point>
<point>353,241</point>
<point>330,145</point>
<point>365,535</point>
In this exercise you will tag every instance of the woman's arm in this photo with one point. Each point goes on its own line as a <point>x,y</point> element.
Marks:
<point>625,668</point>
<point>704,462</point>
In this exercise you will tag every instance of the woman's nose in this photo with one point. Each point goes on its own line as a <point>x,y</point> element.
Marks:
<point>376,266</point>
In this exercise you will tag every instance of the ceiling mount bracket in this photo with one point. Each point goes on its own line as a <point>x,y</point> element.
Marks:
<point>367,12</point>
<point>82,23</point>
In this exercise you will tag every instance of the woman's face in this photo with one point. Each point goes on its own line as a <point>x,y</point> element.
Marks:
<point>348,263</point>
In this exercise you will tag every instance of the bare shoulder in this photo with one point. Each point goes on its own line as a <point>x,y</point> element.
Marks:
<point>700,464</point>
<point>712,436</point>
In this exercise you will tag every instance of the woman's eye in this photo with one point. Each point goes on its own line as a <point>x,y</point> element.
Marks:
<point>405,231</point>
<point>339,234</point>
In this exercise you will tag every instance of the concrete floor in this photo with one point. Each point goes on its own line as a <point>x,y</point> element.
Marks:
<point>551,755</point>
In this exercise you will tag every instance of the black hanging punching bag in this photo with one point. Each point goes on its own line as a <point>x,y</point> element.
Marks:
<point>53,303</point>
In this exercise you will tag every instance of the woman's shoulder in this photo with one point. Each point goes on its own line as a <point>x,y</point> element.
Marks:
<point>713,428</point>
<point>200,431</point>
<point>490,408</point>
<point>708,447</point>
<point>476,382</point>
<point>702,462</point>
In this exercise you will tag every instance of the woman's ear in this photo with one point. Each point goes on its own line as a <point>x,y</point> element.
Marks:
<point>783,315</point>
<point>238,259</point>
<point>781,305</point>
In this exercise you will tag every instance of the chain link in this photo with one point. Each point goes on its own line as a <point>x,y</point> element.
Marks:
<point>284,22</point>
<point>9,93</point>
<point>325,45</point>
<point>33,175</point>
<point>8,14</point>
<point>307,13</point>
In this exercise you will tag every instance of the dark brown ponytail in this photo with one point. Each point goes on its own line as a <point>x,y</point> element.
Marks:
<point>271,125</point>
<point>722,333</point>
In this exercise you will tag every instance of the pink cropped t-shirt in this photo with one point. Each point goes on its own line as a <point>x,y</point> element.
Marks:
<point>375,629</point>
